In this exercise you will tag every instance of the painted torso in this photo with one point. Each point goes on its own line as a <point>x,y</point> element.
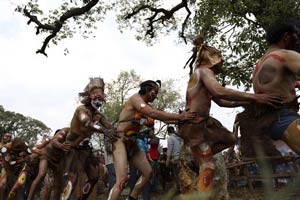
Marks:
<point>272,76</point>
<point>78,128</point>
<point>198,98</point>
<point>131,121</point>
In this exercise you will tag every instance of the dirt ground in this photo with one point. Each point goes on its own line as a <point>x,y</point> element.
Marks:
<point>236,193</point>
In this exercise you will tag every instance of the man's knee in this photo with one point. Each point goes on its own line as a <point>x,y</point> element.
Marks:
<point>291,136</point>
<point>293,128</point>
<point>120,183</point>
<point>149,174</point>
<point>232,140</point>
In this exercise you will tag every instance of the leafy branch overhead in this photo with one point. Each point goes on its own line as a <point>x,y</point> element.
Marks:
<point>160,16</point>
<point>236,27</point>
<point>58,20</point>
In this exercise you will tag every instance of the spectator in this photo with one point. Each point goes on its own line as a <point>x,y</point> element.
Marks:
<point>164,171</point>
<point>109,163</point>
<point>174,145</point>
<point>154,155</point>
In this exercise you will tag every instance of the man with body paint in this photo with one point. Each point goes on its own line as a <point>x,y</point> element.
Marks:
<point>276,73</point>
<point>136,114</point>
<point>205,136</point>
<point>86,121</point>
<point>50,154</point>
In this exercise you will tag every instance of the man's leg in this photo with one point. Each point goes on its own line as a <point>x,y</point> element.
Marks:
<point>203,152</point>
<point>291,136</point>
<point>91,168</point>
<point>70,177</point>
<point>154,177</point>
<point>111,176</point>
<point>143,165</point>
<point>132,176</point>
<point>120,163</point>
<point>225,141</point>
<point>43,166</point>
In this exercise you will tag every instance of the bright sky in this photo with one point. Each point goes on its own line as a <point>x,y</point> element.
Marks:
<point>46,88</point>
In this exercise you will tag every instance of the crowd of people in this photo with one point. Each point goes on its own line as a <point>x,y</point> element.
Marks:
<point>131,147</point>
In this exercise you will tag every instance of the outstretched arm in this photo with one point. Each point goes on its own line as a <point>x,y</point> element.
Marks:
<point>230,104</point>
<point>220,92</point>
<point>142,107</point>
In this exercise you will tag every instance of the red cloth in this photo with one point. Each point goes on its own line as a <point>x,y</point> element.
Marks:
<point>154,151</point>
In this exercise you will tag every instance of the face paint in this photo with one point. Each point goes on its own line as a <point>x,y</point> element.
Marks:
<point>96,103</point>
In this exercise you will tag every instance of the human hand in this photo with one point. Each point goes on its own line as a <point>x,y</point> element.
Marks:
<point>112,134</point>
<point>185,116</point>
<point>66,146</point>
<point>273,100</point>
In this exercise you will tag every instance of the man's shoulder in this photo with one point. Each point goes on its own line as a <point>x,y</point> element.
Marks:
<point>82,107</point>
<point>281,55</point>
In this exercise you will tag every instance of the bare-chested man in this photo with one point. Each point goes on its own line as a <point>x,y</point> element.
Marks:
<point>86,120</point>
<point>136,114</point>
<point>205,135</point>
<point>50,154</point>
<point>276,73</point>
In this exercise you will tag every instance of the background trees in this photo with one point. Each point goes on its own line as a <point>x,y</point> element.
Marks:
<point>237,27</point>
<point>21,126</point>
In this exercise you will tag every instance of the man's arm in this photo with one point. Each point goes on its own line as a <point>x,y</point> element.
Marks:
<point>141,106</point>
<point>86,121</point>
<point>55,142</point>
<point>230,104</point>
<point>106,123</point>
<point>219,92</point>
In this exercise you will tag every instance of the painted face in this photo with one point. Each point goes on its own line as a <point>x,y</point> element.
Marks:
<point>97,98</point>
<point>153,93</point>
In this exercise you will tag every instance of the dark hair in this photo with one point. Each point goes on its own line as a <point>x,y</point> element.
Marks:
<point>275,31</point>
<point>149,84</point>
<point>171,129</point>
<point>165,149</point>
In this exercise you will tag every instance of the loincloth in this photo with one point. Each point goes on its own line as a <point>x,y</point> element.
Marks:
<point>131,146</point>
<point>254,123</point>
<point>80,158</point>
<point>209,130</point>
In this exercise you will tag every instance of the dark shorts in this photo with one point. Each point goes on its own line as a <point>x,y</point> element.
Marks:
<point>285,118</point>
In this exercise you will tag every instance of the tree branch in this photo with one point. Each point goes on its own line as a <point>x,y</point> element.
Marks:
<point>166,15</point>
<point>57,25</point>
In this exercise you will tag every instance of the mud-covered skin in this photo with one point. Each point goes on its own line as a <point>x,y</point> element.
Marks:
<point>50,154</point>
<point>86,121</point>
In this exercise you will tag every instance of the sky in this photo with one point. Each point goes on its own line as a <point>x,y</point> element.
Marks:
<point>46,88</point>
